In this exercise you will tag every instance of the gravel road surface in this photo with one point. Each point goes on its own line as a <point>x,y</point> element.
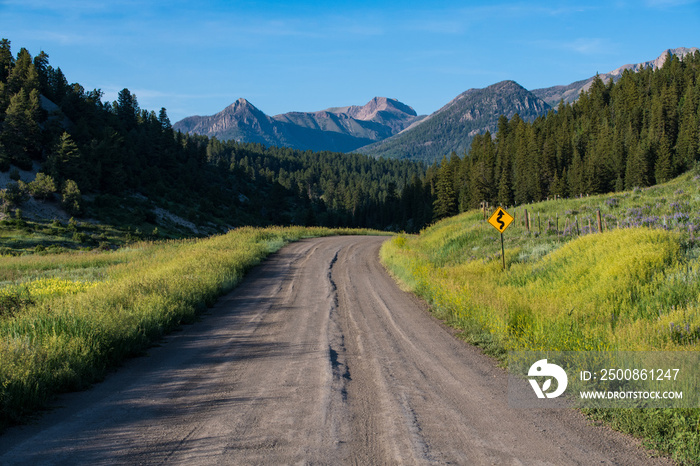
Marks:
<point>316,358</point>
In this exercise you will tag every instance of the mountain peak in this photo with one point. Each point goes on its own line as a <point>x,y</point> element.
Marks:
<point>507,84</point>
<point>242,109</point>
<point>371,109</point>
<point>385,103</point>
<point>240,104</point>
<point>453,127</point>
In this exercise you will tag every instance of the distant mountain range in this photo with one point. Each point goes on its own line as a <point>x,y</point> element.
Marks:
<point>388,128</point>
<point>341,129</point>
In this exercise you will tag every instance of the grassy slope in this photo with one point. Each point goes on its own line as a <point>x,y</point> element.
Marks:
<point>634,287</point>
<point>65,319</point>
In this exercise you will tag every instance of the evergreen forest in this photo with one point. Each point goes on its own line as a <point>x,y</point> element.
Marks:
<point>642,130</point>
<point>118,163</point>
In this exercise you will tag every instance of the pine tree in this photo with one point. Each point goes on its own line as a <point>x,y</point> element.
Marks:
<point>663,168</point>
<point>687,150</point>
<point>505,192</point>
<point>23,75</point>
<point>71,199</point>
<point>445,204</point>
<point>575,176</point>
<point>58,88</point>
<point>20,131</point>
<point>559,185</point>
<point>6,60</point>
<point>164,120</point>
<point>636,174</point>
<point>127,109</point>
<point>65,161</point>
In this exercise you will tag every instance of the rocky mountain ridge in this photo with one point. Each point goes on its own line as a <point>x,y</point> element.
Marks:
<point>570,92</point>
<point>340,129</point>
<point>453,127</point>
<point>389,128</point>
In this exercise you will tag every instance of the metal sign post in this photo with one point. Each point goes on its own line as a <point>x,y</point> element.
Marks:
<point>500,220</point>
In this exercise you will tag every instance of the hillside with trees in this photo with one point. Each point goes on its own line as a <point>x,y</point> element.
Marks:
<point>453,127</point>
<point>120,164</point>
<point>642,130</point>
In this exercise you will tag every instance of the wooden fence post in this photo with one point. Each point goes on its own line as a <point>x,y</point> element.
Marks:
<point>527,220</point>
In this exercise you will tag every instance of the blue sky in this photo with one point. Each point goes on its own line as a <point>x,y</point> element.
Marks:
<point>195,58</point>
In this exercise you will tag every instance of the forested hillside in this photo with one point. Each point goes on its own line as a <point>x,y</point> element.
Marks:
<point>453,127</point>
<point>642,130</point>
<point>346,189</point>
<point>125,165</point>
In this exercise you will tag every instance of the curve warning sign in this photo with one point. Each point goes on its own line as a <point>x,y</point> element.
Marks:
<point>500,219</point>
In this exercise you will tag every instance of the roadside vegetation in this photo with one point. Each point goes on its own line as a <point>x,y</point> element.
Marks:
<point>634,287</point>
<point>22,236</point>
<point>66,319</point>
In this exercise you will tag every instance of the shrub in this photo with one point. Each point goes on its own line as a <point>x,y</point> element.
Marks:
<point>42,187</point>
<point>15,194</point>
<point>14,174</point>
<point>71,199</point>
<point>13,302</point>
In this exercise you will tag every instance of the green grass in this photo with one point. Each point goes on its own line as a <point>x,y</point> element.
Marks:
<point>20,236</point>
<point>65,319</point>
<point>633,287</point>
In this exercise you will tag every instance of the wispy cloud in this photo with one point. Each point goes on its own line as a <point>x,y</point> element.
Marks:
<point>587,46</point>
<point>62,38</point>
<point>70,7</point>
<point>111,91</point>
<point>581,45</point>
<point>458,20</point>
<point>470,71</point>
<point>523,10</point>
<point>439,26</point>
<point>669,3</point>
<point>276,28</point>
<point>359,29</point>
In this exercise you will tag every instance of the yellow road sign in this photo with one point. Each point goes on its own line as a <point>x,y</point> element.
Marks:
<point>500,219</point>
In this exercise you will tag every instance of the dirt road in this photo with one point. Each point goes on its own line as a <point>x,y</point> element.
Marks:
<point>317,358</point>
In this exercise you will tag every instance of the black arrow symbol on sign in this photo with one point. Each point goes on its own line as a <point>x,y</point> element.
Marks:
<point>498,219</point>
